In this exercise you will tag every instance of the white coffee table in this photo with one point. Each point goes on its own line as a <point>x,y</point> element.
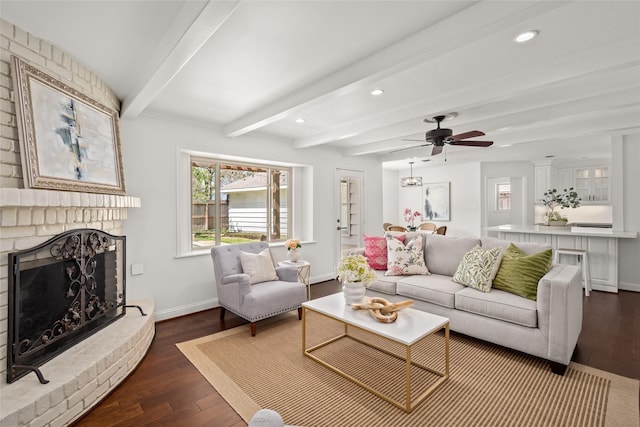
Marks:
<point>410,328</point>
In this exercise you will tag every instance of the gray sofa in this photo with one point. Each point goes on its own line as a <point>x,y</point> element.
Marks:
<point>548,327</point>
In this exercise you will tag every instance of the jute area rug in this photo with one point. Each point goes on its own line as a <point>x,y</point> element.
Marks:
<point>488,385</point>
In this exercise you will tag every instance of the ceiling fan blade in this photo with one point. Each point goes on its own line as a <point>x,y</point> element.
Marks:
<point>465,135</point>
<point>437,149</point>
<point>408,148</point>
<point>472,143</point>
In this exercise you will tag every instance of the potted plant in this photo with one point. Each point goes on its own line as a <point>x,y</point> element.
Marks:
<point>355,274</point>
<point>410,217</point>
<point>292,246</point>
<point>553,198</point>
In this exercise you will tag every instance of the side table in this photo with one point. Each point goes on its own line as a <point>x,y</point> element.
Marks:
<point>304,272</point>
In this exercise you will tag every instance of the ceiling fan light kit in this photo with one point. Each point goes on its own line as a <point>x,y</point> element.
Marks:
<point>411,181</point>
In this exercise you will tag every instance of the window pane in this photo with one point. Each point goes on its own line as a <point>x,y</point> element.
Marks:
<point>503,201</point>
<point>246,191</point>
<point>279,204</point>
<point>203,210</point>
<point>251,201</point>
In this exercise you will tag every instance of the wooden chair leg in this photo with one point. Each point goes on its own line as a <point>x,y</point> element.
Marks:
<point>299,313</point>
<point>253,329</point>
<point>222,311</point>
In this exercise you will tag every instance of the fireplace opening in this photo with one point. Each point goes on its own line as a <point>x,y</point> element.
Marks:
<point>61,292</point>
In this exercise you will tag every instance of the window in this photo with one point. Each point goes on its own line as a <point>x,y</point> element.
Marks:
<point>233,202</point>
<point>503,197</point>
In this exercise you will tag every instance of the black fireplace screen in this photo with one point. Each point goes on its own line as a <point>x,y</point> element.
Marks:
<point>61,292</point>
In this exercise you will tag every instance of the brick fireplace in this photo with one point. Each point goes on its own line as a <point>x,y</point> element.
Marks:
<point>83,375</point>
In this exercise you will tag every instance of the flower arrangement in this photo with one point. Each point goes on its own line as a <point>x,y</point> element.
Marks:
<point>566,199</point>
<point>354,268</point>
<point>410,216</point>
<point>292,244</point>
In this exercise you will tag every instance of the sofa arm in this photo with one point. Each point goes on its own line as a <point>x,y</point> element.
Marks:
<point>559,304</point>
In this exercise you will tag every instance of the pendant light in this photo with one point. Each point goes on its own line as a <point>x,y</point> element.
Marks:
<point>411,181</point>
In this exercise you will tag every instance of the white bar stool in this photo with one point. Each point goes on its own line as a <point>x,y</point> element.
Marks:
<point>584,263</point>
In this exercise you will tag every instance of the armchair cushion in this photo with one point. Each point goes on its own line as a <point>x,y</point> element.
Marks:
<point>258,266</point>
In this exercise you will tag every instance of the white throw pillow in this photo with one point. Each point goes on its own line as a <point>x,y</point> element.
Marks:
<point>405,260</point>
<point>259,267</point>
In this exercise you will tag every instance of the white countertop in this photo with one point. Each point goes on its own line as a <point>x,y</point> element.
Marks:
<point>571,231</point>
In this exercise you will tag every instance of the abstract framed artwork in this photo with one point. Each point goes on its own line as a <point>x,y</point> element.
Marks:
<point>68,141</point>
<point>436,201</point>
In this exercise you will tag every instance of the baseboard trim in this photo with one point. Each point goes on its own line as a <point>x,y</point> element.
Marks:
<point>186,309</point>
<point>626,286</point>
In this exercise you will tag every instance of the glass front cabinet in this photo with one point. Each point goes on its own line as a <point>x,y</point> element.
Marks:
<point>592,184</point>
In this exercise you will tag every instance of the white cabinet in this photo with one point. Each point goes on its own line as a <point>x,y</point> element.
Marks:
<point>592,184</point>
<point>544,179</point>
<point>566,179</point>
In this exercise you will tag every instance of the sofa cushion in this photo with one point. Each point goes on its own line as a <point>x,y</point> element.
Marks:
<point>529,248</point>
<point>407,259</point>
<point>436,289</point>
<point>258,266</point>
<point>384,284</point>
<point>499,305</point>
<point>444,253</point>
<point>520,273</point>
<point>476,269</point>
<point>375,250</point>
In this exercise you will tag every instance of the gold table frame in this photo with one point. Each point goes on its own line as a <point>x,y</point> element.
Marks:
<point>407,405</point>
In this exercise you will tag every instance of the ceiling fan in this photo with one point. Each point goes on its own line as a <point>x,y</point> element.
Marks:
<point>440,136</point>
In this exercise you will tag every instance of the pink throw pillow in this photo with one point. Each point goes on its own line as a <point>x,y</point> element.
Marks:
<point>375,251</point>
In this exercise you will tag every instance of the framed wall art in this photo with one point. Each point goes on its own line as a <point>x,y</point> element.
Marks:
<point>436,201</point>
<point>68,141</point>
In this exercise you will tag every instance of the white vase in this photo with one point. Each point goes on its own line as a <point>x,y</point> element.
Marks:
<point>353,292</point>
<point>293,255</point>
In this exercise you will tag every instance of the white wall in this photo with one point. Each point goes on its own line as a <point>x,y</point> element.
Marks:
<point>183,285</point>
<point>491,170</point>
<point>629,249</point>
<point>465,203</point>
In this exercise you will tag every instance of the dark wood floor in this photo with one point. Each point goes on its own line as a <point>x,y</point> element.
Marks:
<point>166,390</point>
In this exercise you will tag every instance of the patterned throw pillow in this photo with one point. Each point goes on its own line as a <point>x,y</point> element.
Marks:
<point>476,268</point>
<point>375,251</point>
<point>259,267</point>
<point>405,260</point>
<point>520,273</point>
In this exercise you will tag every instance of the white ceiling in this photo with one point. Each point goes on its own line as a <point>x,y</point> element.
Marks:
<point>257,66</point>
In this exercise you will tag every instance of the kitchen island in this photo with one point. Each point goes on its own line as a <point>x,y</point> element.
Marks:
<point>601,245</point>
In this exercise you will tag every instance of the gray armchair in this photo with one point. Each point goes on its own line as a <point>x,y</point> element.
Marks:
<point>255,301</point>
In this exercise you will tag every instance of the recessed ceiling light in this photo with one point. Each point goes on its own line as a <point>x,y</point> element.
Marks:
<point>300,120</point>
<point>526,36</point>
<point>377,92</point>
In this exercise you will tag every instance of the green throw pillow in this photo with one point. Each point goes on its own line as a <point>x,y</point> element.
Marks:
<point>520,273</point>
<point>476,268</point>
